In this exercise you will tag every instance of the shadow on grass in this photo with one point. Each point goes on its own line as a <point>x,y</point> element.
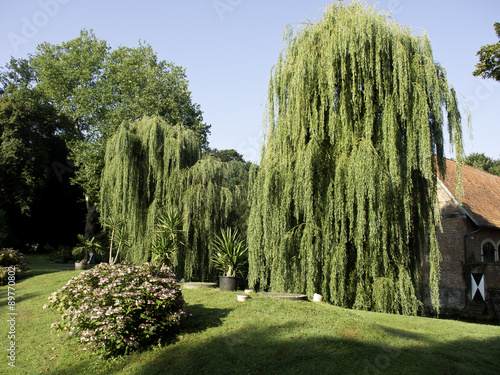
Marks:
<point>257,350</point>
<point>18,298</point>
<point>201,319</point>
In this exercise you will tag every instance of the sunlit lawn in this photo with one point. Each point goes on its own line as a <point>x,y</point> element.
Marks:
<point>260,336</point>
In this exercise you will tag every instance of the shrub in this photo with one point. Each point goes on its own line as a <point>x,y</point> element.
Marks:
<point>120,308</point>
<point>63,254</point>
<point>9,258</point>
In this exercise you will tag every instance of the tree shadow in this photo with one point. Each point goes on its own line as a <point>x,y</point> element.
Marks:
<point>18,298</point>
<point>268,350</point>
<point>201,318</point>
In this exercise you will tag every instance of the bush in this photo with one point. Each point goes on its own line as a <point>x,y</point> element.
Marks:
<point>63,254</point>
<point>120,308</point>
<point>12,258</point>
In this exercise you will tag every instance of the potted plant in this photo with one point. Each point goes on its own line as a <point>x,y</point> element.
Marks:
<point>88,248</point>
<point>229,257</point>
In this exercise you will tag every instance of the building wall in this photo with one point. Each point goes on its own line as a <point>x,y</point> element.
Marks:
<point>460,241</point>
<point>454,223</point>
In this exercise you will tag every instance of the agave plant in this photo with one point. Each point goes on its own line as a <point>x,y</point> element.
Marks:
<point>230,252</point>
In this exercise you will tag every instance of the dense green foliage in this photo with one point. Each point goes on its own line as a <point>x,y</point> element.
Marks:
<point>230,255</point>
<point>34,176</point>
<point>98,88</point>
<point>483,162</point>
<point>120,309</point>
<point>489,59</point>
<point>12,263</point>
<point>29,143</point>
<point>151,166</point>
<point>344,201</point>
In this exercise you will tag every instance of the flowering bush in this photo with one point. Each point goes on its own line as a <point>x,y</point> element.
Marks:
<point>11,257</point>
<point>120,308</point>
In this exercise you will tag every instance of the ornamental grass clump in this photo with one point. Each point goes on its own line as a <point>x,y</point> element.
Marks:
<point>120,308</point>
<point>12,258</point>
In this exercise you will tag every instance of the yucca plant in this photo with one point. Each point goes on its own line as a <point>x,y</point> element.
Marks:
<point>169,235</point>
<point>118,238</point>
<point>86,247</point>
<point>230,253</point>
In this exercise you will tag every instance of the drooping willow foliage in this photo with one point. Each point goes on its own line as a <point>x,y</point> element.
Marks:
<point>344,201</point>
<point>150,167</point>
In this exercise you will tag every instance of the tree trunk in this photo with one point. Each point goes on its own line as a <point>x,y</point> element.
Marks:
<point>91,219</point>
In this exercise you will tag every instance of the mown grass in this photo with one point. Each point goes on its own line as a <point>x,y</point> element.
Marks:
<point>260,336</point>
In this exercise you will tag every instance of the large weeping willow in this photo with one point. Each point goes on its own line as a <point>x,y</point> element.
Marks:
<point>150,167</point>
<point>345,200</point>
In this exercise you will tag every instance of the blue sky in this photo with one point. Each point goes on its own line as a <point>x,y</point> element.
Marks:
<point>228,48</point>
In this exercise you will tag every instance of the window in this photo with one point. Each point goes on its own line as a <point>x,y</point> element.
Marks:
<point>488,252</point>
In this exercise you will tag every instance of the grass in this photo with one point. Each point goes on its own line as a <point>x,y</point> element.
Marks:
<point>260,336</point>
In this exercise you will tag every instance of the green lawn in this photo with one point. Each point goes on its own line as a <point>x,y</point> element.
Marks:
<point>260,336</point>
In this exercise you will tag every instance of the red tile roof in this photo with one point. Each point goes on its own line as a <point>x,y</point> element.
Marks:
<point>481,197</point>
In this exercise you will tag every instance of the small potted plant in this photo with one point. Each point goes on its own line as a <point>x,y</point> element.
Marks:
<point>229,257</point>
<point>88,248</point>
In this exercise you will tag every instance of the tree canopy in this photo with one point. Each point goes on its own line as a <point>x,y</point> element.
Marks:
<point>483,162</point>
<point>489,59</point>
<point>152,166</point>
<point>98,88</point>
<point>344,201</point>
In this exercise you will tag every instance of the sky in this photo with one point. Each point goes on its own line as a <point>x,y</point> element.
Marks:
<point>228,49</point>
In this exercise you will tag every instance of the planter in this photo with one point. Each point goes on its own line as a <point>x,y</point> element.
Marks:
<point>228,284</point>
<point>79,265</point>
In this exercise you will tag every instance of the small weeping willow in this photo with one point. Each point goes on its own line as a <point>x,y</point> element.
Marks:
<point>345,199</point>
<point>152,167</point>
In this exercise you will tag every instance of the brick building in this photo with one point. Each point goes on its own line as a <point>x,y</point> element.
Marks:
<point>469,242</point>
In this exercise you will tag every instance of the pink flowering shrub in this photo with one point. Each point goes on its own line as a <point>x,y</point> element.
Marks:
<point>11,258</point>
<point>121,308</point>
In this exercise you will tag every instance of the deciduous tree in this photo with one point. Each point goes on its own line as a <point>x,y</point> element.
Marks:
<point>344,200</point>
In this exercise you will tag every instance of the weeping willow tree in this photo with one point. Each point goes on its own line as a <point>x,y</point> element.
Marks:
<point>345,199</point>
<point>150,167</point>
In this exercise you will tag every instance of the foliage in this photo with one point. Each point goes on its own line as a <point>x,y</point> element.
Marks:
<point>226,155</point>
<point>169,234</point>
<point>12,258</point>
<point>483,162</point>
<point>30,140</point>
<point>230,253</point>
<point>118,237</point>
<point>98,88</point>
<point>266,330</point>
<point>346,190</point>
<point>86,247</point>
<point>63,254</point>
<point>150,166</point>
<point>4,226</point>
<point>489,59</point>
<point>121,308</point>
